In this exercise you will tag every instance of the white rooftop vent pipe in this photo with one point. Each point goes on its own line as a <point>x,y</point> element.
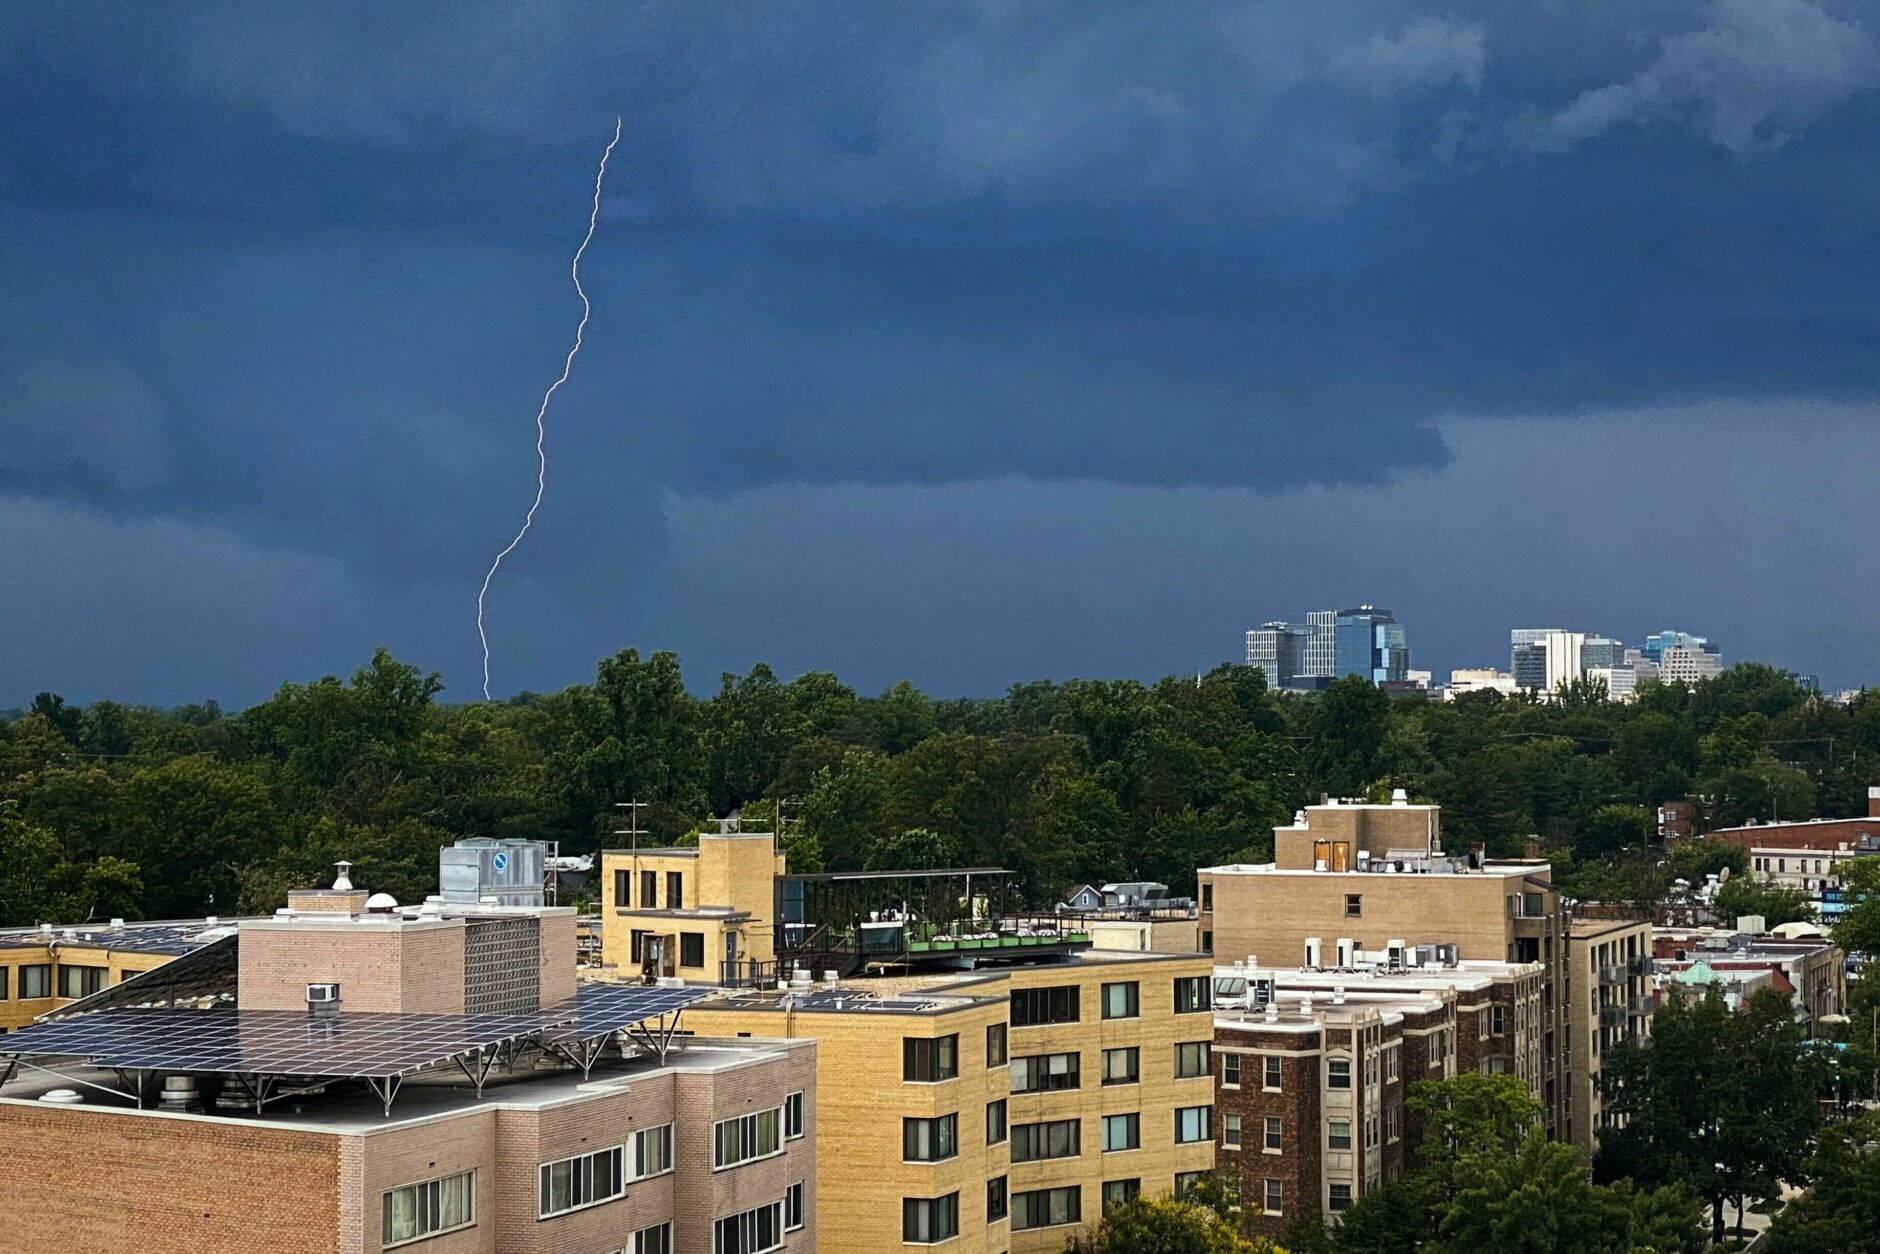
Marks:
<point>1398,797</point>
<point>342,883</point>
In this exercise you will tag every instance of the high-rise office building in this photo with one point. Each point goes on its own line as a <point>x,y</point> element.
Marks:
<point>1527,656</point>
<point>1564,664</point>
<point>1319,653</point>
<point>1656,644</point>
<point>1370,642</point>
<point>1601,652</point>
<point>1279,650</point>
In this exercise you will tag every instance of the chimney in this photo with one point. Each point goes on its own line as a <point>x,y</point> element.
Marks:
<point>1532,849</point>
<point>1873,801</point>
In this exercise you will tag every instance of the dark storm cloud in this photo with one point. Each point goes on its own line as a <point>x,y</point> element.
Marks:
<point>302,277</point>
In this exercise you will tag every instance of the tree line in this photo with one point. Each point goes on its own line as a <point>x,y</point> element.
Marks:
<point>113,809</point>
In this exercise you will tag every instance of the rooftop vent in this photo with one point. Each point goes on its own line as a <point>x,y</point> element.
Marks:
<point>342,883</point>
<point>1398,797</point>
<point>381,903</point>
<point>61,1097</point>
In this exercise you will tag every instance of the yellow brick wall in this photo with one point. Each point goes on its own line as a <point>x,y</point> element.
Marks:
<point>17,1012</point>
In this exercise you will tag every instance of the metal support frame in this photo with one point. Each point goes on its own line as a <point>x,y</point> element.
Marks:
<point>477,1065</point>
<point>385,1088</point>
<point>17,1062</point>
<point>658,1040</point>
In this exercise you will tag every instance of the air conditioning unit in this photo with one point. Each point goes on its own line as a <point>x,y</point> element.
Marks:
<point>322,994</point>
<point>1314,951</point>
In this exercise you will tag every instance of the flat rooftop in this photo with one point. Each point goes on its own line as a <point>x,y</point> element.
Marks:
<point>158,936</point>
<point>1440,867</point>
<point>1469,974</point>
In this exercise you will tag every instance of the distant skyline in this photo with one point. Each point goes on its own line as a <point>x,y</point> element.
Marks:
<point>959,343</point>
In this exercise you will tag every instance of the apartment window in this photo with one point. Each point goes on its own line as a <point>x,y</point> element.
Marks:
<point>1230,1070</point>
<point>1230,1131</point>
<point>1033,1006</point>
<point>654,1240</point>
<point>424,1210</point>
<point>1354,905</point>
<point>1191,1059</point>
<point>584,1180</point>
<point>1338,1073</point>
<point>1186,1180</point>
<point>36,980</point>
<point>623,889</point>
<point>1121,1132</point>
<point>928,1060</point>
<point>1207,941</point>
<point>925,1220</point>
<point>1120,1065</point>
<point>1207,896</point>
<point>1047,1073</point>
<point>997,1204</point>
<point>1340,1197</point>
<point>739,1140</point>
<point>1120,1192</point>
<point>1391,1115</point>
<point>1191,1124</point>
<point>1273,1130</point>
<point>691,949</point>
<point>929,1140</point>
<point>649,890</point>
<point>75,981</point>
<point>752,1232</point>
<point>1057,1138</point>
<point>1393,1058</point>
<point>1272,1197</point>
<point>1497,1023</point>
<point>1121,1001</point>
<point>1338,1134</point>
<point>793,1210</point>
<point>995,1122</point>
<point>675,890</point>
<point>1269,1079</point>
<point>995,1045</point>
<point>652,1151</point>
<point>793,1116</point>
<point>1047,1208</point>
<point>1192,994</point>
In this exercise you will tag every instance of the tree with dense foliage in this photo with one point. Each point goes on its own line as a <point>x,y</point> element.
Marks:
<point>1200,1221</point>
<point>1775,904</point>
<point>1841,1209</point>
<point>1720,1102</point>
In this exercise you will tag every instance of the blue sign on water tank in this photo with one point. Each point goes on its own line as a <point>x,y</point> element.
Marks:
<point>500,861</point>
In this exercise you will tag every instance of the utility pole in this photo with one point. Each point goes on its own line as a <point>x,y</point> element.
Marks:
<point>632,829</point>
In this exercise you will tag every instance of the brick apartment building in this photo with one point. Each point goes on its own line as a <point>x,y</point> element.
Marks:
<point>352,1076</point>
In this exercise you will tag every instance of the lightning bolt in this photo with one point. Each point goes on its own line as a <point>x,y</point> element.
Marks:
<point>541,431</point>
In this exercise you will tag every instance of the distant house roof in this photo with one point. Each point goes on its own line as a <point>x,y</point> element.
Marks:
<point>1698,972</point>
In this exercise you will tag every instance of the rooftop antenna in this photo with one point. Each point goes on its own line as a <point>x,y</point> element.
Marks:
<point>632,829</point>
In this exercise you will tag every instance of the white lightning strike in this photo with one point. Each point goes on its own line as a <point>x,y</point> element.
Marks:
<point>541,432</point>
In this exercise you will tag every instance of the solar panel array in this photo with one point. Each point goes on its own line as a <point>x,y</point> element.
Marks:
<point>140,938</point>
<point>270,1042</point>
<point>601,1008</point>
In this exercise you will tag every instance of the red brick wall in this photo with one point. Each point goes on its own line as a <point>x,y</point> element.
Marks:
<point>377,968</point>
<point>79,1180</point>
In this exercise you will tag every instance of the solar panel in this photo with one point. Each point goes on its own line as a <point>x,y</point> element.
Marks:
<point>271,1042</point>
<point>601,1008</point>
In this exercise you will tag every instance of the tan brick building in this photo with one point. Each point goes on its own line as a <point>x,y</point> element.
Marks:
<point>44,968</point>
<point>1351,879</point>
<point>1609,973</point>
<point>689,912</point>
<point>1011,1102</point>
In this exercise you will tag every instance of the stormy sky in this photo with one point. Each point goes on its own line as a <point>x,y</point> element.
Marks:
<point>962,342</point>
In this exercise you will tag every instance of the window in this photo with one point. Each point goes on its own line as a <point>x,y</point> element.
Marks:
<point>1191,1059</point>
<point>1047,1208</point>
<point>997,1205</point>
<point>1273,1131</point>
<point>1207,940</point>
<point>926,1220</point>
<point>793,1116</point>
<point>1120,1065</point>
<point>623,889</point>
<point>1121,1001</point>
<point>1192,994</point>
<point>1032,1006</point>
<point>1340,1197</point>
<point>752,1232</point>
<point>1230,1131</point>
<point>1121,1132</point>
<point>793,1207</point>
<point>649,890</point>
<point>995,1045</point>
<point>1391,1115</point>
<point>1274,1193</point>
<point>424,1210</point>
<point>1230,1070</point>
<point>1191,1124</point>
<point>1497,1024</point>
<point>691,949</point>
<point>80,981</point>
<point>652,1151</point>
<point>36,980</point>
<point>1338,1134</point>
<point>1207,896</point>
<point>1270,1079</point>
<point>1338,1073</point>
<point>584,1180</point>
<point>1354,905</point>
<point>1120,1192</point>
<point>1058,1138</point>
<point>1186,1180</point>
<point>654,1240</point>
<point>929,1140</point>
<point>927,1061</point>
<point>995,1122</point>
<point>1047,1073</point>
<point>675,890</point>
<point>739,1140</point>
<point>1393,1060</point>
